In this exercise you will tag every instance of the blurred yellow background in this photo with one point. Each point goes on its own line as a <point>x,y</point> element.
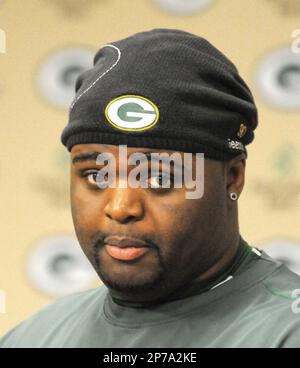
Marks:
<point>34,168</point>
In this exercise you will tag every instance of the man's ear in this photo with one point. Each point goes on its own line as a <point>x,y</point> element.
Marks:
<point>235,174</point>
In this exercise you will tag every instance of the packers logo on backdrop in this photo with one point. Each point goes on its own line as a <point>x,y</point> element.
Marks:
<point>132,113</point>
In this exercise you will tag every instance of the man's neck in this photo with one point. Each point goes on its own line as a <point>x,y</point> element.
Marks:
<point>221,264</point>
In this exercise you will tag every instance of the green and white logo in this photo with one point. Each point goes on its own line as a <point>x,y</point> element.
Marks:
<point>132,113</point>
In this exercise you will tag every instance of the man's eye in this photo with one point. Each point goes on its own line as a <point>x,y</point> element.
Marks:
<point>160,181</point>
<point>156,181</point>
<point>91,178</point>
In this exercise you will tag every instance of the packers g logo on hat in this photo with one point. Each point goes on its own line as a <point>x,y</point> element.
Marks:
<point>132,113</point>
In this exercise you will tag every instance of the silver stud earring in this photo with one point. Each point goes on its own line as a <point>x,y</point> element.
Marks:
<point>233,196</point>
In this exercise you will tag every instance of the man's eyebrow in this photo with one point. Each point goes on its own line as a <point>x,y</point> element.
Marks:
<point>91,156</point>
<point>164,160</point>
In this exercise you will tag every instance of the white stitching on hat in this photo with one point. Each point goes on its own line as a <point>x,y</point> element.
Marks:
<point>102,75</point>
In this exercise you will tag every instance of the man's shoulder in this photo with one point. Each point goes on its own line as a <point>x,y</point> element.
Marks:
<point>282,283</point>
<point>64,308</point>
<point>277,304</point>
<point>73,302</point>
<point>281,307</point>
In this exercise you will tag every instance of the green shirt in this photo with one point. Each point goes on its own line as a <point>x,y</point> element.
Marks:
<point>255,307</point>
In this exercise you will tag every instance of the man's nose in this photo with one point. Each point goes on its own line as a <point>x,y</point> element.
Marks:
<point>124,205</point>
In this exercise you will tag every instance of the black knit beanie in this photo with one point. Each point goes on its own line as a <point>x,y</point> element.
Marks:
<point>166,89</point>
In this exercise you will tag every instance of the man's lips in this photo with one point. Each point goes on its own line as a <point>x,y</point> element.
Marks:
<point>125,254</point>
<point>125,248</point>
<point>125,242</point>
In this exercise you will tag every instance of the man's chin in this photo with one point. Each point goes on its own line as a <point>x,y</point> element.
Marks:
<point>130,285</point>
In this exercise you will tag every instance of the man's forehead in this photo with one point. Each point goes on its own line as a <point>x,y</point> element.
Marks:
<point>88,152</point>
<point>86,148</point>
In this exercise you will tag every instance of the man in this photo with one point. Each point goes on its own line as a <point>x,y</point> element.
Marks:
<point>176,272</point>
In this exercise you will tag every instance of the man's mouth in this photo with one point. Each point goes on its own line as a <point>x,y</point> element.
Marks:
<point>125,248</point>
